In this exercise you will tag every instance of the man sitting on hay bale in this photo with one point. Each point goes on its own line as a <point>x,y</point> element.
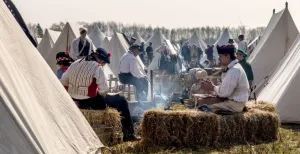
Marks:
<point>87,85</point>
<point>233,92</point>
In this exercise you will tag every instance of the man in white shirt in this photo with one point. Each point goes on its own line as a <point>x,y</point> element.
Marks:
<point>243,45</point>
<point>87,84</point>
<point>234,89</point>
<point>130,72</point>
<point>82,46</point>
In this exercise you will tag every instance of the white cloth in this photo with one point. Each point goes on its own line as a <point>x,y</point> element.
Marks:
<point>243,46</point>
<point>234,84</point>
<point>74,53</point>
<point>79,77</point>
<point>129,64</point>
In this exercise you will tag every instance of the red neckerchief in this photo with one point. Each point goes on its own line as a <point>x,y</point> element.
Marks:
<point>64,68</point>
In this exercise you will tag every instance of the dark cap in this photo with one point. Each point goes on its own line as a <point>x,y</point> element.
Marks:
<point>82,30</point>
<point>102,54</point>
<point>241,36</point>
<point>133,38</point>
<point>134,46</point>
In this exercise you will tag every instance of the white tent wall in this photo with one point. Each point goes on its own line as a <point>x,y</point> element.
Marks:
<point>223,40</point>
<point>273,46</point>
<point>37,114</point>
<point>97,36</point>
<point>105,44</point>
<point>138,37</point>
<point>282,88</point>
<point>54,35</point>
<point>63,42</point>
<point>46,45</point>
<point>197,40</point>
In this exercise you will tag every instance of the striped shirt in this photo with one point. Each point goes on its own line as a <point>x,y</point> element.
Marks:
<point>80,76</point>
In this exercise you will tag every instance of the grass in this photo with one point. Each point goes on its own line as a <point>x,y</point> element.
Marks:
<point>289,142</point>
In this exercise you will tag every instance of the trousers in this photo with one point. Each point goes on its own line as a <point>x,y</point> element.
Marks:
<point>141,84</point>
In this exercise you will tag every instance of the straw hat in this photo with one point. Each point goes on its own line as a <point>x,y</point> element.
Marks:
<point>201,74</point>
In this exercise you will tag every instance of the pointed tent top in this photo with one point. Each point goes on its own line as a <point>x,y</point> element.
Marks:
<point>286,4</point>
<point>273,11</point>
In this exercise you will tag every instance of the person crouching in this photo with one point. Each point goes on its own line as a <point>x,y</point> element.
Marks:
<point>87,85</point>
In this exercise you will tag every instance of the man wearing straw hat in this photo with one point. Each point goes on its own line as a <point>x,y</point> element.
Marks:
<point>241,56</point>
<point>233,92</point>
<point>87,85</point>
<point>81,46</point>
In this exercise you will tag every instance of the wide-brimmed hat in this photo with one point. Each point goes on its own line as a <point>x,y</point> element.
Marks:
<point>201,74</point>
<point>102,54</point>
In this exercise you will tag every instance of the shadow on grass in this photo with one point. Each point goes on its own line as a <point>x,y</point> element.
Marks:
<point>294,127</point>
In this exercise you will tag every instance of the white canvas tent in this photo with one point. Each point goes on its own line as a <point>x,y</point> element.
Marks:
<point>282,89</point>
<point>253,44</point>
<point>223,40</point>
<point>54,35</point>
<point>62,44</point>
<point>197,40</point>
<point>97,36</point>
<point>279,35</point>
<point>46,45</point>
<point>138,37</point>
<point>118,46</point>
<point>37,114</point>
<point>105,44</point>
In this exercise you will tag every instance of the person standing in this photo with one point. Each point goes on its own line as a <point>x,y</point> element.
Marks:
<point>241,56</point>
<point>82,46</point>
<point>210,54</point>
<point>142,52</point>
<point>149,51</point>
<point>130,72</point>
<point>87,85</point>
<point>132,41</point>
<point>243,45</point>
<point>186,53</point>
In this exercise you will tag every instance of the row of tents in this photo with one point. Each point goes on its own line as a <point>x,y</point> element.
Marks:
<point>270,53</point>
<point>39,116</point>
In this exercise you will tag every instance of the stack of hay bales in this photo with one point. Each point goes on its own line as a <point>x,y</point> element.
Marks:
<point>193,129</point>
<point>106,124</point>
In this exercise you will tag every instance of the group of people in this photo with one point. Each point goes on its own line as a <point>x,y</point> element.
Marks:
<point>191,54</point>
<point>143,52</point>
<point>82,75</point>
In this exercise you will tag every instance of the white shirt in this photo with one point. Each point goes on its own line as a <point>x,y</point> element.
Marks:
<point>243,46</point>
<point>129,64</point>
<point>79,77</point>
<point>234,84</point>
<point>74,53</point>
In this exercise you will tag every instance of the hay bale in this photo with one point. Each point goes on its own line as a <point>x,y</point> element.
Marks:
<point>255,126</point>
<point>180,128</point>
<point>106,124</point>
<point>261,105</point>
<point>191,129</point>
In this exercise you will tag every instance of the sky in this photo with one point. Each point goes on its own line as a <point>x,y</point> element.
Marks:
<point>167,13</point>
